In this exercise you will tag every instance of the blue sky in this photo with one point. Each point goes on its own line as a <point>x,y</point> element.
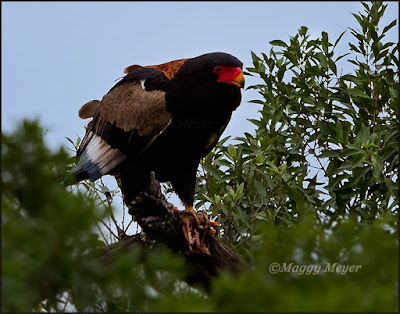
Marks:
<point>58,55</point>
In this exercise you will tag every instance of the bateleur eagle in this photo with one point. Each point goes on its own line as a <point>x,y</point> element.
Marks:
<point>162,118</point>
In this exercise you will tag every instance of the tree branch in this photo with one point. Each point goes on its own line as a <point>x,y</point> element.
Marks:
<point>186,232</point>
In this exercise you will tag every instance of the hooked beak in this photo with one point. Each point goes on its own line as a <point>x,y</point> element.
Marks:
<point>231,76</point>
<point>239,80</point>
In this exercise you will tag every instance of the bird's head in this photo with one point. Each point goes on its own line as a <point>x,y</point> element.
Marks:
<point>230,75</point>
<point>207,84</point>
<point>216,67</point>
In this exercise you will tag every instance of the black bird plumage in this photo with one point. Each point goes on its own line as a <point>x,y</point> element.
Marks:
<point>161,118</point>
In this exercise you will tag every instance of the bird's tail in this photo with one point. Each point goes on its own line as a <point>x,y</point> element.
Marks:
<point>75,175</point>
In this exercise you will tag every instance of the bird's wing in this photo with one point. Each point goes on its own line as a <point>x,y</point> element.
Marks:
<point>214,138</point>
<point>126,121</point>
<point>169,69</point>
<point>89,110</point>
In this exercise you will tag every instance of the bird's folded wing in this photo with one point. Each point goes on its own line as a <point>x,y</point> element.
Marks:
<point>126,121</point>
<point>169,69</point>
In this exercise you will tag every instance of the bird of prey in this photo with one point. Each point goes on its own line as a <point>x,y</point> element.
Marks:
<point>162,118</point>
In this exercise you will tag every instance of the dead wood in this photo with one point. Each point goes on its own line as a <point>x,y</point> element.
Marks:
<point>187,233</point>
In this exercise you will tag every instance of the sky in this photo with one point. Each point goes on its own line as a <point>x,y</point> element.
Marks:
<point>56,56</point>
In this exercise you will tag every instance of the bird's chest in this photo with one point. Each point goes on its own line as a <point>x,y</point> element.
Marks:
<point>183,143</point>
<point>193,136</point>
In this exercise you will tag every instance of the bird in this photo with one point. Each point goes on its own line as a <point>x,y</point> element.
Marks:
<point>160,118</point>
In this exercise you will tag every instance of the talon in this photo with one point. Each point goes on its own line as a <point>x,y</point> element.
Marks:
<point>175,209</point>
<point>214,223</point>
<point>212,231</point>
<point>195,217</point>
<point>187,233</point>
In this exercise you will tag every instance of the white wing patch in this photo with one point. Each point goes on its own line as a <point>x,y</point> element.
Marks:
<point>102,155</point>
<point>142,81</point>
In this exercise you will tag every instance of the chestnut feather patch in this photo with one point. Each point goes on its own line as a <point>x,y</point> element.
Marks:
<point>169,68</point>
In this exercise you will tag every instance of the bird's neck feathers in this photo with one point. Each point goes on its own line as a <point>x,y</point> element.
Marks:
<point>202,100</point>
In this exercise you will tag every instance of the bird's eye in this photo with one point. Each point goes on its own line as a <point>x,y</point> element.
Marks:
<point>217,69</point>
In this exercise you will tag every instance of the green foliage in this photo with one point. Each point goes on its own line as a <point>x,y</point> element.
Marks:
<point>51,252</point>
<point>312,190</point>
<point>325,142</point>
<point>310,268</point>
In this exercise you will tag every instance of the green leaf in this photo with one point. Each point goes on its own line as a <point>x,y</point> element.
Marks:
<point>239,191</point>
<point>356,92</point>
<point>393,23</point>
<point>394,94</point>
<point>278,43</point>
<point>332,66</point>
<point>335,181</point>
<point>245,218</point>
<point>333,167</point>
<point>325,42</point>
<point>364,134</point>
<point>257,123</point>
<point>354,48</point>
<point>208,198</point>
<point>295,195</point>
<point>339,38</point>
<point>214,172</point>
<point>260,188</point>
<point>358,161</point>
<point>261,216</point>
<point>358,175</point>
<point>330,153</point>
<point>303,30</point>
<point>340,57</point>
<point>257,101</point>
<point>339,130</point>
<point>352,78</point>
<point>256,59</point>
<point>322,59</point>
<point>232,150</point>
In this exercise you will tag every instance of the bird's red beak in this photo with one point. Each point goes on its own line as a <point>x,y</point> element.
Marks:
<point>231,76</point>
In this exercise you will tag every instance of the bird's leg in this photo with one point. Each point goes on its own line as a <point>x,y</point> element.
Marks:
<point>190,210</point>
<point>186,226</point>
<point>212,224</point>
<point>187,233</point>
<point>188,207</point>
<point>196,239</point>
<point>195,226</point>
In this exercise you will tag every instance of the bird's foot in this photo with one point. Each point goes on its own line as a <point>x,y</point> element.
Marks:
<point>214,223</point>
<point>195,227</point>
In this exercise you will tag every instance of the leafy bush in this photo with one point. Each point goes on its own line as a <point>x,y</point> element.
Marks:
<point>308,267</point>
<point>309,199</point>
<point>325,143</point>
<point>51,250</point>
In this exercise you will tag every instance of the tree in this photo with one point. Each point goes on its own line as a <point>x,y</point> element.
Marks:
<point>309,195</point>
<point>326,142</point>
